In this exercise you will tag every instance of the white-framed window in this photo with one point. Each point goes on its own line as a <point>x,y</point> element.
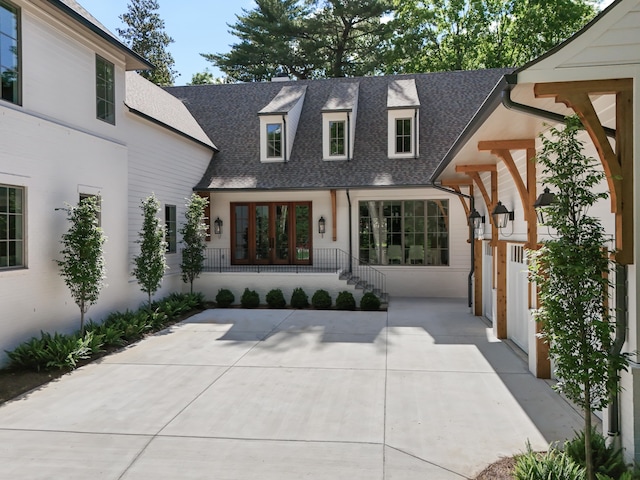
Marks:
<point>273,138</point>
<point>402,135</point>
<point>9,52</point>
<point>337,136</point>
<point>171,228</point>
<point>12,227</point>
<point>105,91</point>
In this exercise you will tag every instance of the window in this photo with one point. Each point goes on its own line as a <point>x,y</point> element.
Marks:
<point>11,226</point>
<point>403,135</point>
<point>9,53</point>
<point>105,91</point>
<point>274,140</point>
<point>170,228</point>
<point>336,138</point>
<point>404,232</point>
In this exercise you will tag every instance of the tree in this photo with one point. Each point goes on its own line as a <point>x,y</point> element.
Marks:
<point>571,274</point>
<point>82,265</point>
<point>207,78</point>
<point>144,34</point>
<point>306,39</point>
<point>150,264</point>
<point>440,35</point>
<point>194,234</point>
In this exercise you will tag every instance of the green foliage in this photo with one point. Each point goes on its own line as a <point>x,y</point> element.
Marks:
<point>607,460</point>
<point>306,39</point>
<point>82,266</point>
<point>225,298</point>
<point>571,274</point>
<point>207,78</point>
<point>250,299</point>
<point>345,301</point>
<point>275,298</point>
<point>299,298</point>
<point>433,36</point>
<point>55,351</point>
<point>321,300</point>
<point>370,302</point>
<point>150,264</point>
<point>144,33</point>
<point>552,465</point>
<point>194,234</point>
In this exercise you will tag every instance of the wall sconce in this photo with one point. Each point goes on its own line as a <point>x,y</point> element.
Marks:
<point>476,220</point>
<point>322,226</point>
<point>545,199</point>
<point>501,215</point>
<point>217,227</point>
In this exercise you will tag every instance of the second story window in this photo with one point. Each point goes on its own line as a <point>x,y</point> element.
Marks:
<point>9,52</point>
<point>105,91</point>
<point>336,138</point>
<point>274,140</point>
<point>403,135</point>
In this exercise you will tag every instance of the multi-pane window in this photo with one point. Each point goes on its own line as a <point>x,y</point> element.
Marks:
<point>403,135</point>
<point>105,90</point>
<point>274,140</point>
<point>336,138</point>
<point>11,226</point>
<point>409,232</point>
<point>171,228</point>
<point>9,52</point>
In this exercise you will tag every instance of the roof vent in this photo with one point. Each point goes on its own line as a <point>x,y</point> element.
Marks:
<point>280,77</point>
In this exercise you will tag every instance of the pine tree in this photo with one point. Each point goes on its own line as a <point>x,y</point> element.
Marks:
<point>144,34</point>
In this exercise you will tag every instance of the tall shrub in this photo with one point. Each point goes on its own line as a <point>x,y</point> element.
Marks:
<point>150,264</point>
<point>194,234</point>
<point>571,273</point>
<point>82,266</point>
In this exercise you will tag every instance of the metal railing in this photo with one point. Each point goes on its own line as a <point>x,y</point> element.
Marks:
<point>322,260</point>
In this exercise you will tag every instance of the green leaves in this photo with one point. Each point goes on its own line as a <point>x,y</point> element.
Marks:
<point>194,234</point>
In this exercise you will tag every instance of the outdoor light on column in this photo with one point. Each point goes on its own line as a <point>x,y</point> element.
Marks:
<point>322,226</point>
<point>476,220</point>
<point>545,199</point>
<point>501,215</point>
<point>217,227</point>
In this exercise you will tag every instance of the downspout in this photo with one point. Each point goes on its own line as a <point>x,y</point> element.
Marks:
<point>348,137</point>
<point>415,133</point>
<point>284,138</point>
<point>471,236</point>
<point>350,234</point>
<point>621,270</point>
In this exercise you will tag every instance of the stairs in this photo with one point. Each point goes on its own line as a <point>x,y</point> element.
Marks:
<point>361,284</point>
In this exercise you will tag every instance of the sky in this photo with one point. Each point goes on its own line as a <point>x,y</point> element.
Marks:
<point>197,26</point>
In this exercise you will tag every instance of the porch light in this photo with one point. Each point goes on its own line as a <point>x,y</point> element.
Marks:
<point>322,226</point>
<point>476,219</point>
<point>501,215</point>
<point>545,199</point>
<point>217,227</point>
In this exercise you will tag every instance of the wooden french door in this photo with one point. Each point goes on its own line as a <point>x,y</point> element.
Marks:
<point>271,233</point>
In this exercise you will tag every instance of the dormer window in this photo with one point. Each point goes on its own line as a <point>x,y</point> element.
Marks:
<point>279,122</point>
<point>339,122</point>
<point>402,112</point>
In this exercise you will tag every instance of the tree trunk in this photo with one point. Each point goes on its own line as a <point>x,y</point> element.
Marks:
<point>587,433</point>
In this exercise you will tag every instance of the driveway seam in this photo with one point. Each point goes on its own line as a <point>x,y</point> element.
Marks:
<point>384,416</point>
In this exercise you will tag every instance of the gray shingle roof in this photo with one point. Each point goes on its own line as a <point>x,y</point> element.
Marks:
<point>343,97</point>
<point>402,94</point>
<point>287,98</point>
<point>229,116</point>
<point>149,100</point>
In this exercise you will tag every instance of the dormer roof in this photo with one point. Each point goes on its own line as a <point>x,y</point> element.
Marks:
<point>343,97</point>
<point>286,99</point>
<point>402,94</point>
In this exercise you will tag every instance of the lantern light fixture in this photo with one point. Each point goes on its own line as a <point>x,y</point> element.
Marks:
<point>217,227</point>
<point>501,216</point>
<point>322,226</point>
<point>545,199</point>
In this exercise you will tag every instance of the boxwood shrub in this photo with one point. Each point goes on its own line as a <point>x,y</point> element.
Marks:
<point>299,298</point>
<point>321,300</point>
<point>275,298</point>
<point>250,299</point>
<point>345,301</point>
<point>225,298</point>
<point>369,302</point>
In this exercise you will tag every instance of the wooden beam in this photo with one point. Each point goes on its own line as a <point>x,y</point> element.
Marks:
<point>481,167</point>
<point>477,275</point>
<point>334,218</point>
<point>494,201</point>
<point>522,144</point>
<point>532,226</point>
<point>501,286</point>
<point>467,212</point>
<point>625,219</point>
<point>478,181</point>
<point>456,183</point>
<point>600,87</point>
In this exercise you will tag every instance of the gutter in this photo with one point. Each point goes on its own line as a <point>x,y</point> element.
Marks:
<point>471,236</point>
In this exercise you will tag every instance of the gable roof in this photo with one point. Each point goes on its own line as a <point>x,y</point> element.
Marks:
<point>229,113</point>
<point>79,14</point>
<point>149,101</point>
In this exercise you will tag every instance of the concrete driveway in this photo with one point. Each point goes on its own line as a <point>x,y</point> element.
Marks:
<point>423,391</point>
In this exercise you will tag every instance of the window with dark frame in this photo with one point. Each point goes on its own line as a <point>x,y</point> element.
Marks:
<point>105,90</point>
<point>171,226</point>
<point>274,140</point>
<point>336,138</point>
<point>9,52</point>
<point>12,227</point>
<point>403,135</point>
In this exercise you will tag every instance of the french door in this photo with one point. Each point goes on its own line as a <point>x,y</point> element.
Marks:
<point>271,233</point>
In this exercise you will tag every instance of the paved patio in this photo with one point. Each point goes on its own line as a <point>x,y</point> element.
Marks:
<point>423,391</point>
